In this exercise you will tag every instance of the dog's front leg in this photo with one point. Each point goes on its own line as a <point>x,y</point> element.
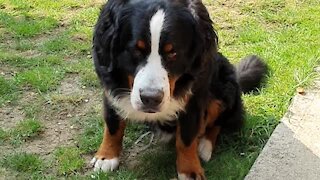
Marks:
<point>188,129</point>
<point>107,156</point>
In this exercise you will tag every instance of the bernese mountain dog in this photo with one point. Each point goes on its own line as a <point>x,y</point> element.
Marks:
<point>158,63</point>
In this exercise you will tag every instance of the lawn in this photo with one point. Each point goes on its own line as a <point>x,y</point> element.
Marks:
<point>50,99</point>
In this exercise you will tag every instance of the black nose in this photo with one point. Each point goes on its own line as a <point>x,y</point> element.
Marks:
<point>151,97</point>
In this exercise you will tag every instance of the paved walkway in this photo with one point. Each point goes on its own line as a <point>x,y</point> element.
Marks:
<point>293,150</point>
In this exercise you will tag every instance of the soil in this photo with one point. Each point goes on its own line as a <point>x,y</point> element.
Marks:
<point>10,116</point>
<point>58,119</point>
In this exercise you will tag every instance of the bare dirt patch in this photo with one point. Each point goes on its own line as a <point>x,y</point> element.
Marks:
<point>10,116</point>
<point>30,53</point>
<point>59,114</point>
<point>7,72</point>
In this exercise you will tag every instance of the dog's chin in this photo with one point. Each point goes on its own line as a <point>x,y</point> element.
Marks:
<point>148,110</point>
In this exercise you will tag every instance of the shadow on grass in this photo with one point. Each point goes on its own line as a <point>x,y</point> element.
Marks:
<point>233,157</point>
<point>235,152</point>
<point>158,163</point>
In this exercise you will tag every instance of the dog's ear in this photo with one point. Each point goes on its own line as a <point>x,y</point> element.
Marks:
<point>206,37</point>
<point>201,15</point>
<point>105,36</point>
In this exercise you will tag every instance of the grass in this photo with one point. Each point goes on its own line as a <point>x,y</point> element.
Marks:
<point>8,91</point>
<point>3,136</point>
<point>26,26</point>
<point>25,130</point>
<point>42,42</point>
<point>30,62</point>
<point>68,160</point>
<point>23,162</point>
<point>32,111</point>
<point>41,78</point>
<point>90,139</point>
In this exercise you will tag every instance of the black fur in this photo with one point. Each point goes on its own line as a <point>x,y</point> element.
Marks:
<point>204,71</point>
<point>110,116</point>
<point>250,73</point>
<point>226,88</point>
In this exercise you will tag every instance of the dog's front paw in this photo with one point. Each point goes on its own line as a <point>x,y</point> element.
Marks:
<point>102,164</point>
<point>190,170</point>
<point>191,176</point>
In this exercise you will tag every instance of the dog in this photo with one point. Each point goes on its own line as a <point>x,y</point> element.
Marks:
<point>158,62</point>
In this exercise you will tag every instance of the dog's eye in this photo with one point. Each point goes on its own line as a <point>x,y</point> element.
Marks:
<point>169,50</point>
<point>172,56</point>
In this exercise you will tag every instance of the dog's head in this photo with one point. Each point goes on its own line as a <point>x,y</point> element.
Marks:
<point>160,46</point>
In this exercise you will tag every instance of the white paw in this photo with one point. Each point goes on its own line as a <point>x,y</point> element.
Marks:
<point>205,149</point>
<point>182,176</point>
<point>105,165</point>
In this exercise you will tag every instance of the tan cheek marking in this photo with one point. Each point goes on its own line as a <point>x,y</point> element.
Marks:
<point>111,145</point>
<point>130,81</point>
<point>172,82</point>
<point>187,157</point>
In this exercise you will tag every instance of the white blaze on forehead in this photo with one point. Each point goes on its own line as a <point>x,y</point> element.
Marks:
<point>153,75</point>
<point>156,25</point>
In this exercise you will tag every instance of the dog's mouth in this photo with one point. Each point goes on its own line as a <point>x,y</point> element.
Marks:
<point>150,110</point>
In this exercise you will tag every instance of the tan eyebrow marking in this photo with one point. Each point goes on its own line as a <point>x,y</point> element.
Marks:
<point>141,44</point>
<point>168,48</point>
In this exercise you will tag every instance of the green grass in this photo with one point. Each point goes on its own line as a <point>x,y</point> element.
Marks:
<point>42,41</point>
<point>87,74</point>
<point>158,164</point>
<point>41,78</point>
<point>25,130</point>
<point>32,62</point>
<point>8,90</point>
<point>91,137</point>
<point>57,44</point>
<point>120,174</point>
<point>68,160</point>
<point>3,136</point>
<point>23,162</point>
<point>26,25</point>
<point>32,111</point>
